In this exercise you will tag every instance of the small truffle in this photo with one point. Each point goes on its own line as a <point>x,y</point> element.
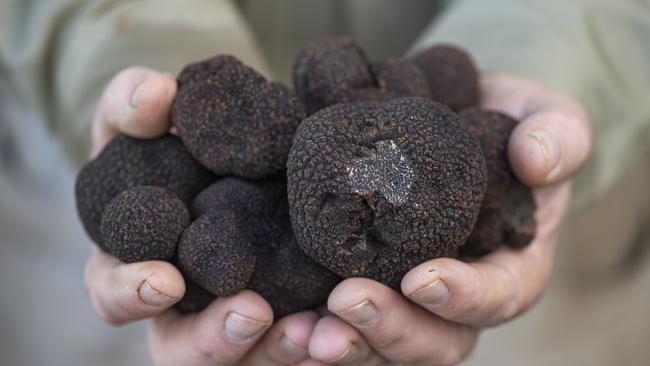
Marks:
<point>395,78</point>
<point>233,120</point>
<point>330,71</point>
<point>243,239</point>
<point>507,212</point>
<point>335,70</point>
<point>493,131</point>
<point>144,223</point>
<point>452,76</point>
<point>127,162</point>
<point>518,216</point>
<point>216,253</point>
<point>378,188</point>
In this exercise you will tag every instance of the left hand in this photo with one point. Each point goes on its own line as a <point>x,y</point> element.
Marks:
<point>446,301</point>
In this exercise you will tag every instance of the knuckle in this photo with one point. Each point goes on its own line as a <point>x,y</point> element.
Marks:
<point>389,338</point>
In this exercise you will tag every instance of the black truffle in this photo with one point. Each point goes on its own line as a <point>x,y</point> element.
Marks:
<point>394,79</point>
<point>144,223</point>
<point>452,76</point>
<point>336,70</point>
<point>243,239</point>
<point>507,212</point>
<point>377,188</point>
<point>128,162</point>
<point>233,120</point>
<point>330,71</point>
<point>216,253</point>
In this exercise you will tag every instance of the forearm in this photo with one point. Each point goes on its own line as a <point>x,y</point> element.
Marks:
<point>591,49</point>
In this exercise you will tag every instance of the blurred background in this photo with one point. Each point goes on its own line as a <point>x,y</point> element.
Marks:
<point>56,56</point>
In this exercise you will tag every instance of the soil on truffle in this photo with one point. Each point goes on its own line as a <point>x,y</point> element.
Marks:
<point>378,188</point>
<point>128,162</point>
<point>144,223</point>
<point>233,120</point>
<point>452,76</point>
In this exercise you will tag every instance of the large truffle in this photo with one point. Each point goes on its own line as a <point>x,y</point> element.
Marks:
<point>243,239</point>
<point>336,70</point>
<point>233,120</point>
<point>377,188</point>
<point>507,212</point>
<point>144,223</point>
<point>128,162</point>
<point>452,76</point>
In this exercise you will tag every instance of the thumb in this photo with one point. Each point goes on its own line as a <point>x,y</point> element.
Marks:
<point>552,142</point>
<point>136,102</point>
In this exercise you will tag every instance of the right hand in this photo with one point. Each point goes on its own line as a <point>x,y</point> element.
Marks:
<point>236,330</point>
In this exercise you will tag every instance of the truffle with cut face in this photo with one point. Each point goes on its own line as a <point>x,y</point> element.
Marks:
<point>243,239</point>
<point>233,120</point>
<point>378,188</point>
<point>128,162</point>
<point>507,212</point>
<point>451,74</point>
<point>144,223</point>
<point>336,70</point>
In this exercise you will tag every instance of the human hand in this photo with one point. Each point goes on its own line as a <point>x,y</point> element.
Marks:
<point>236,330</point>
<point>446,302</point>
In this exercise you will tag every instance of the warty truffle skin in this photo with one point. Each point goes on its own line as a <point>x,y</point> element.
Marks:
<point>336,70</point>
<point>127,162</point>
<point>330,71</point>
<point>233,120</point>
<point>378,188</point>
<point>507,212</point>
<point>248,243</point>
<point>452,76</point>
<point>144,223</point>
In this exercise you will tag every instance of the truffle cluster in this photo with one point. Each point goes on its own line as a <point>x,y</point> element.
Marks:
<point>336,70</point>
<point>212,200</point>
<point>369,168</point>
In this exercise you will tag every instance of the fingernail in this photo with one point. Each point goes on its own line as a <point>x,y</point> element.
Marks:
<point>240,328</point>
<point>550,149</point>
<point>151,296</point>
<point>135,96</point>
<point>435,293</point>
<point>291,348</point>
<point>363,314</point>
<point>348,351</point>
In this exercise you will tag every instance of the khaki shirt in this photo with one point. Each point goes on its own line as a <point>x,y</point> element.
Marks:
<point>57,55</point>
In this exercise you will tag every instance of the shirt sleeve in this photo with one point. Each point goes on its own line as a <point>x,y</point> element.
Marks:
<point>596,50</point>
<point>59,54</point>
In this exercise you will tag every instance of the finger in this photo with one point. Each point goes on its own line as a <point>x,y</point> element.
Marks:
<point>499,286</point>
<point>121,293</point>
<point>286,343</point>
<point>336,342</point>
<point>554,137</point>
<point>398,329</point>
<point>222,334</point>
<point>137,102</point>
